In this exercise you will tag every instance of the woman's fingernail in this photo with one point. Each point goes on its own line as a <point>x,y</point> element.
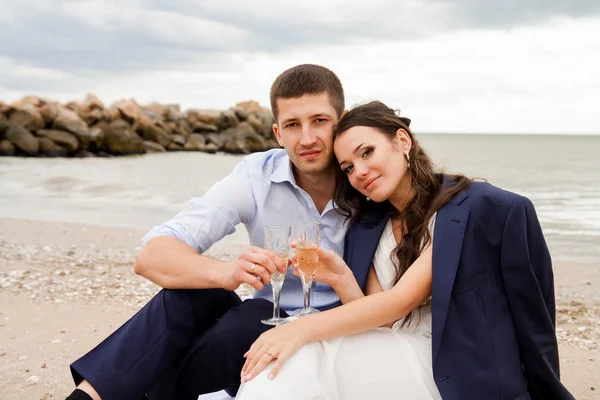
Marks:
<point>243,379</point>
<point>271,376</point>
<point>248,377</point>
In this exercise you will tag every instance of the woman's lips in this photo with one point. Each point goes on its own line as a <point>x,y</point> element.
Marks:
<point>370,182</point>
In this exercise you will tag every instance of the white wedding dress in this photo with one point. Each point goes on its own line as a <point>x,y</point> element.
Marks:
<point>380,364</point>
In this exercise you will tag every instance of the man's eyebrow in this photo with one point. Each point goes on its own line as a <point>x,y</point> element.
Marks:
<point>313,116</point>
<point>354,151</point>
<point>320,115</point>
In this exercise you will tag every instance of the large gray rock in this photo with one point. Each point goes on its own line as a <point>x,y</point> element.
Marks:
<point>152,147</point>
<point>93,116</point>
<point>173,114</point>
<point>6,148</point>
<point>227,119</point>
<point>256,123</point>
<point>61,138</point>
<point>265,116</point>
<point>28,117</point>
<point>243,140</point>
<point>200,126</point>
<point>75,106</point>
<point>175,147</point>
<point>153,133</point>
<point>183,128</point>
<point>84,154</point>
<point>4,124</point>
<point>171,126</point>
<point>22,139</point>
<point>92,102</point>
<point>96,135</point>
<point>260,118</point>
<point>121,139</point>
<point>211,148</point>
<point>111,113</point>
<point>28,101</point>
<point>246,108</point>
<point>179,139</point>
<point>50,149</point>
<point>130,111</point>
<point>195,142</point>
<point>218,139</point>
<point>206,116</point>
<point>69,121</point>
<point>49,112</point>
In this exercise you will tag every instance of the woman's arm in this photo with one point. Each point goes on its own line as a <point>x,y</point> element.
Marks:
<point>373,286</point>
<point>372,311</point>
<point>355,317</point>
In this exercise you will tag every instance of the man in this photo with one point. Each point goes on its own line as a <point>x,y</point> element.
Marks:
<point>191,337</point>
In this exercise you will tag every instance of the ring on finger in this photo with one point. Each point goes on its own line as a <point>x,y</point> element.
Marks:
<point>269,353</point>
<point>252,268</point>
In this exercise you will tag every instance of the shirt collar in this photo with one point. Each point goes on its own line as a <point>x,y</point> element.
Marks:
<point>283,172</point>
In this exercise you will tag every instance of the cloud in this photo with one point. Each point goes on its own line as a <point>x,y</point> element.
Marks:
<point>106,35</point>
<point>512,13</point>
<point>455,65</point>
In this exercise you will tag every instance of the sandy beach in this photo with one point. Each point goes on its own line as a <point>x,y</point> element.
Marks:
<point>64,287</point>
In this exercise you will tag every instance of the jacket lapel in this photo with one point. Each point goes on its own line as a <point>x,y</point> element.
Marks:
<point>364,243</point>
<point>450,224</point>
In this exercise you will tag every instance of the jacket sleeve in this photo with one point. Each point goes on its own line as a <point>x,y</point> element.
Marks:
<point>528,278</point>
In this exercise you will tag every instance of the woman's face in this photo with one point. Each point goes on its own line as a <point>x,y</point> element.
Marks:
<point>375,166</point>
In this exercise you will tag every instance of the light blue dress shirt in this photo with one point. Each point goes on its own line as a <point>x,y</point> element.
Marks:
<point>260,191</point>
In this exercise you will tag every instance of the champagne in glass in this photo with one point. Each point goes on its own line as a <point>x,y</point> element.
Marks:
<point>307,260</point>
<point>308,238</point>
<point>277,240</point>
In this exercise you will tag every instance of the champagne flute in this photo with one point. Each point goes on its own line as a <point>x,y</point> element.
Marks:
<point>308,238</point>
<point>277,240</point>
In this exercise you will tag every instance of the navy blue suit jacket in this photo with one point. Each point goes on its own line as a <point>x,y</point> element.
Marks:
<point>492,296</point>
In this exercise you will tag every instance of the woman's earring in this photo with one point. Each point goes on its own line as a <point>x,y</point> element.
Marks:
<point>407,158</point>
<point>368,199</point>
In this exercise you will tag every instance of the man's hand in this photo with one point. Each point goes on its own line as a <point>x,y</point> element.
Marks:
<point>241,269</point>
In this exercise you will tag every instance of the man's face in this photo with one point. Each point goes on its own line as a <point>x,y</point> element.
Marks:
<point>305,129</point>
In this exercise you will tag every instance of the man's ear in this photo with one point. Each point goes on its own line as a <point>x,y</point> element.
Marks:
<point>277,134</point>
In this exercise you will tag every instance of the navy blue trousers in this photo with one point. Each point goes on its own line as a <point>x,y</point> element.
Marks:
<point>183,343</point>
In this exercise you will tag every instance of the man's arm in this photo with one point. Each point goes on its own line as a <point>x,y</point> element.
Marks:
<point>526,268</point>
<point>172,258</point>
<point>173,264</point>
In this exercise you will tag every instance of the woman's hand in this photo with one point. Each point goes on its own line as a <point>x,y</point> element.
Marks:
<point>331,269</point>
<point>279,344</point>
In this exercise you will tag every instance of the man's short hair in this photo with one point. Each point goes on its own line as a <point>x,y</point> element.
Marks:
<point>307,79</point>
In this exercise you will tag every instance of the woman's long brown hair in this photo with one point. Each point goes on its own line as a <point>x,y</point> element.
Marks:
<point>428,192</point>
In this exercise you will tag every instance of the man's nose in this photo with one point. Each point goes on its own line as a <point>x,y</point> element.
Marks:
<point>308,137</point>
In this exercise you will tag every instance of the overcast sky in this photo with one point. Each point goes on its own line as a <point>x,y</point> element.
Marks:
<point>527,66</point>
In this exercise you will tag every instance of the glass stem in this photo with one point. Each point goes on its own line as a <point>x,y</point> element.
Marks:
<point>276,286</point>
<point>306,287</point>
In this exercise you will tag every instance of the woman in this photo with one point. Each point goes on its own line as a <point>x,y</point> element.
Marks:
<point>477,250</point>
